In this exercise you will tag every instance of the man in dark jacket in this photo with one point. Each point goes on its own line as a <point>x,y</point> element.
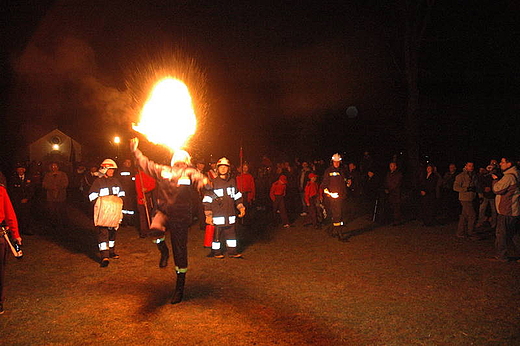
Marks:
<point>393,182</point>
<point>334,187</point>
<point>21,192</point>
<point>174,204</point>
<point>220,206</point>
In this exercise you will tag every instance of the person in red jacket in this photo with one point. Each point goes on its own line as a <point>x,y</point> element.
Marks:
<point>7,216</point>
<point>144,188</point>
<point>311,197</point>
<point>246,185</point>
<point>277,194</point>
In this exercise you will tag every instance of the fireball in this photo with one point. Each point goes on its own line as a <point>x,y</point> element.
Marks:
<point>168,117</point>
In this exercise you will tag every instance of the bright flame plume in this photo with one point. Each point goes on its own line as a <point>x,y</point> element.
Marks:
<point>168,117</point>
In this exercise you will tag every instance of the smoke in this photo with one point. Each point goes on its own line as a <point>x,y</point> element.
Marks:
<point>59,84</point>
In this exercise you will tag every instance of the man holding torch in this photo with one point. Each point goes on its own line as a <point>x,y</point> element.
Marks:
<point>174,207</point>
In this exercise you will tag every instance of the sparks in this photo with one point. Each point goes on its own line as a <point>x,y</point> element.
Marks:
<point>168,116</point>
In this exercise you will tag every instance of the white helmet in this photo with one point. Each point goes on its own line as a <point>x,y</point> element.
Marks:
<point>336,157</point>
<point>109,163</point>
<point>223,161</point>
<point>181,156</point>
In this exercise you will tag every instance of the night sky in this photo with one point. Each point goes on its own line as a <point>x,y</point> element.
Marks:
<point>276,78</point>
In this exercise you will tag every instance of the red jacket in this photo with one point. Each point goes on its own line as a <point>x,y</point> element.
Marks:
<point>277,189</point>
<point>311,190</point>
<point>143,180</point>
<point>246,183</point>
<point>7,212</point>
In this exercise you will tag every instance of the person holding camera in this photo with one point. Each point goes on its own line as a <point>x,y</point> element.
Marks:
<point>466,185</point>
<point>487,196</point>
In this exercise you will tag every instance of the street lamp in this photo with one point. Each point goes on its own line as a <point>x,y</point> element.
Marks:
<point>117,140</point>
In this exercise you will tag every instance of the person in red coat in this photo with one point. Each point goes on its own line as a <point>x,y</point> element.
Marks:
<point>145,190</point>
<point>246,185</point>
<point>311,197</point>
<point>7,217</point>
<point>277,194</point>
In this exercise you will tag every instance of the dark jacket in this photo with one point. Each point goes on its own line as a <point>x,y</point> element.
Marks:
<point>174,186</point>
<point>222,201</point>
<point>335,180</point>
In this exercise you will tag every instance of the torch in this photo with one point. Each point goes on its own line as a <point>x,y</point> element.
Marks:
<point>17,252</point>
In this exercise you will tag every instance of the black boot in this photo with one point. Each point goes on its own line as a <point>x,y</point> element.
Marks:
<point>165,254</point>
<point>179,288</point>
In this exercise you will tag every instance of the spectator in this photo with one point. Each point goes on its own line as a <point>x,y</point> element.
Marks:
<point>508,208</point>
<point>393,182</point>
<point>21,190</point>
<point>429,193</point>
<point>8,215</point>
<point>449,197</point>
<point>277,194</point>
<point>55,183</point>
<point>486,196</point>
<point>466,185</point>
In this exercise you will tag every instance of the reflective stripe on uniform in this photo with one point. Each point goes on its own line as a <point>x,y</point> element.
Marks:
<point>111,243</point>
<point>93,196</point>
<point>215,245</point>
<point>333,174</point>
<point>219,192</point>
<point>231,191</point>
<point>181,270</point>
<point>184,181</point>
<point>121,194</point>
<point>128,212</point>
<point>104,191</point>
<point>238,195</point>
<point>337,224</point>
<point>219,220</point>
<point>231,243</point>
<point>125,173</point>
<point>103,246</point>
<point>207,199</point>
<point>232,219</point>
<point>115,190</point>
<point>157,241</point>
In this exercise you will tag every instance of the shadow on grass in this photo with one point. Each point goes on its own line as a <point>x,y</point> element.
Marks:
<point>161,295</point>
<point>77,234</point>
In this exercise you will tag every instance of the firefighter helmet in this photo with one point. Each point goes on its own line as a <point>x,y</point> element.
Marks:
<point>109,163</point>
<point>336,157</point>
<point>181,156</point>
<point>223,161</point>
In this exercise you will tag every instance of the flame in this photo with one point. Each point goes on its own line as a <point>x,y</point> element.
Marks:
<point>168,117</point>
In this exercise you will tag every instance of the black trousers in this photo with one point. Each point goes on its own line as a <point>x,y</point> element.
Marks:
<point>3,259</point>
<point>178,227</point>
<point>106,241</point>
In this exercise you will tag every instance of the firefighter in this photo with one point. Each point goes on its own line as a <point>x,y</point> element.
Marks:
<point>334,189</point>
<point>219,206</point>
<point>107,191</point>
<point>174,206</point>
<point>127,179</point>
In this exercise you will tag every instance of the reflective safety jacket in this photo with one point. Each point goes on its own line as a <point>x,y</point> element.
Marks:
<point>335,180</point>
<point>222,201</point>
<point>174,187</point>
<point>105,186</point>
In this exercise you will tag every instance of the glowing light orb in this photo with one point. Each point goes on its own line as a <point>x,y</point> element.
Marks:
<point>168,117</point>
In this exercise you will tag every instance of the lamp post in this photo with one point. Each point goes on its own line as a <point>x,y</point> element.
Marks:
<point>117,140</point>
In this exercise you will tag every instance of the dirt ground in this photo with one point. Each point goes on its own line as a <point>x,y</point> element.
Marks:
<point>403,285</point>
